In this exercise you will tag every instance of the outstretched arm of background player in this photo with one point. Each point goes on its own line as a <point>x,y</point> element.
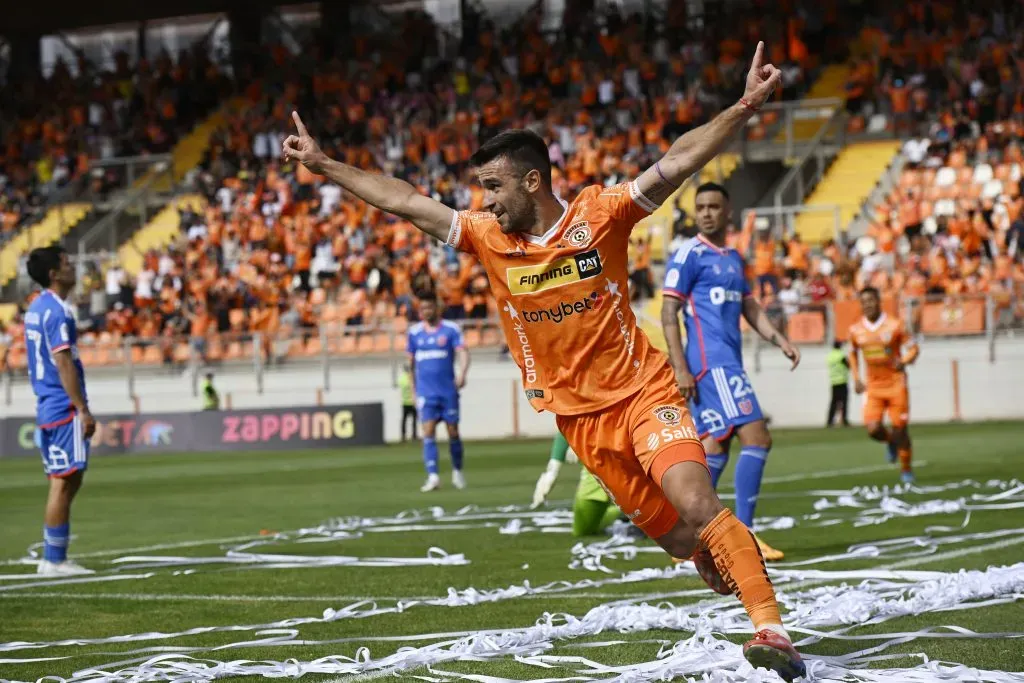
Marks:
<point>758,319</point>
<point>386,193</point>
<point>689,153</point>
<point>909,351</point>
<point>854,365</point>
<point>69,379</point>
<point>676,354</point>
<point>462,358</point>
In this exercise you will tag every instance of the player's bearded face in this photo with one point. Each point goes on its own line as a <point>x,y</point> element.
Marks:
<point>507,196</point>
<point>712,212</point>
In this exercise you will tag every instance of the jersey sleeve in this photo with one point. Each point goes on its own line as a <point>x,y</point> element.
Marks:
<point>625,205</point>
<point>457,342</point>
<point>467,231</point>
<point>680,274</point>
<point>745,289</point>
<point>56,332</point>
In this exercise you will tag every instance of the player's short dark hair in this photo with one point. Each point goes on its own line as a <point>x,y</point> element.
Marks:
<point>523,148</point>
<point>43,261</point>
<point>873,291</point>
<point>712,187</point>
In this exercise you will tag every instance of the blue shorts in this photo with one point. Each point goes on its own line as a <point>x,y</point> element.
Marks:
<point>725,400</point>
<point>438,408</point>
<point>64,448</point>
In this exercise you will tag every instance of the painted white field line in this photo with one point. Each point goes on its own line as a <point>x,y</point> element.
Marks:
<point>828,474</point>
<point>145,548</point>
<point>64,581</point>
<point>953,554</point>
<point>172,597</point>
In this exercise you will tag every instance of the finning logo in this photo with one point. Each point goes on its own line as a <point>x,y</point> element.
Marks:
<point>529,364</point>
<point>669,415</point>
<point>563,271</point>
<point>579,235</point>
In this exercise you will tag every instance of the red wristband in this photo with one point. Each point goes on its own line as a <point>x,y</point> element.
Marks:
<point>749,106</point>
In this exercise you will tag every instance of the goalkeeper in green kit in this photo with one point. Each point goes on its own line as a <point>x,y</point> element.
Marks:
<point>592,508</point>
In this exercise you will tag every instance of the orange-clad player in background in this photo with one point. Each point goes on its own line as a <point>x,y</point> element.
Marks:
<point>887,350</point>
<point>558,272</point>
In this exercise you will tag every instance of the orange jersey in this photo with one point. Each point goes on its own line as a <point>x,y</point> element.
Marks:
<point>882,344</point>
<point>564,300</point>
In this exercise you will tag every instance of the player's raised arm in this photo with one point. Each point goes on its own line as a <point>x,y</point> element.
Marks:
<point>692,151</point>
<point>854,365</point>
<point>909,350</point>
<point>758,319</point>
<point>384,192</point>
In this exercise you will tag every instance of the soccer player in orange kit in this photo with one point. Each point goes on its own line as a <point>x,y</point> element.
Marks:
<point>558,271</point>
<point>887,350</point>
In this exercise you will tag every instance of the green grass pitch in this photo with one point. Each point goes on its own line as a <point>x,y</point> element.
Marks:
<point>196,505</point>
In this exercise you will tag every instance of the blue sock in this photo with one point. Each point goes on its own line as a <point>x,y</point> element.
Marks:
<point>55,542</point>
<point>717,463</point>
<point>890,452</point>
<point>749,470</point>
<point>455,448</point>
<point>430,455</point>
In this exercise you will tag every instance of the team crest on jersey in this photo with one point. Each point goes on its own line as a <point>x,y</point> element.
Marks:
<point>578,235</point>
<point>669,415</point>
<point>746,406</point>
<point>441,339</point>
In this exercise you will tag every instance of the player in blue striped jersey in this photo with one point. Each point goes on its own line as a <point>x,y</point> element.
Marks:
<point>435,346</point>
<point>707,281</point>
<point>64,422</point>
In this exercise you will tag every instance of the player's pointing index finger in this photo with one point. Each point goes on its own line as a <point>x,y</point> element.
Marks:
<point>758,55</point>
<point>299,126</point>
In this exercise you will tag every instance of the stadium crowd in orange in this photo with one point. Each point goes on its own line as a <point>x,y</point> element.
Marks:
<point>278,250</point>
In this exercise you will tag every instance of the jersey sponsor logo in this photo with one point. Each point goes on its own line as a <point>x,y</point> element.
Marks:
<point>720,295</point>
<point>578,235</point>
<point>431,354</point>
<point>670,415</point>
<point>680,433</point>
<point>534,393</point>
<point>564,309</point>
<point>529,364</point>
<point>564,271</point>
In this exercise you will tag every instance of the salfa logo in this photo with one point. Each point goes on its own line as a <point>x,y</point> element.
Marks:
<point>669,415</point>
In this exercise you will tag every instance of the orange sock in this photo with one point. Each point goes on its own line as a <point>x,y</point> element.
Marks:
<point>905,455</point>
<point>739,561</point>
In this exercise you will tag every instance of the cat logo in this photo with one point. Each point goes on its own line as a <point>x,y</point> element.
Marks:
<point>563,271</point>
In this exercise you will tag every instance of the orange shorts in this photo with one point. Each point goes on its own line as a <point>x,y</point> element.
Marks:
<point>895,400</point>
<point>630,445</point>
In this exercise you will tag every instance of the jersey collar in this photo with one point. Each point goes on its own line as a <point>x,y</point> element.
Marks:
<point>54,295</point>
<point>705,240</point>
<point>552,231</point>
<point>874,325</point>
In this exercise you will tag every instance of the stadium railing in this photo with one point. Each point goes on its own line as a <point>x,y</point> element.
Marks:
<point>130,212</point>
<point>782,220</point>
